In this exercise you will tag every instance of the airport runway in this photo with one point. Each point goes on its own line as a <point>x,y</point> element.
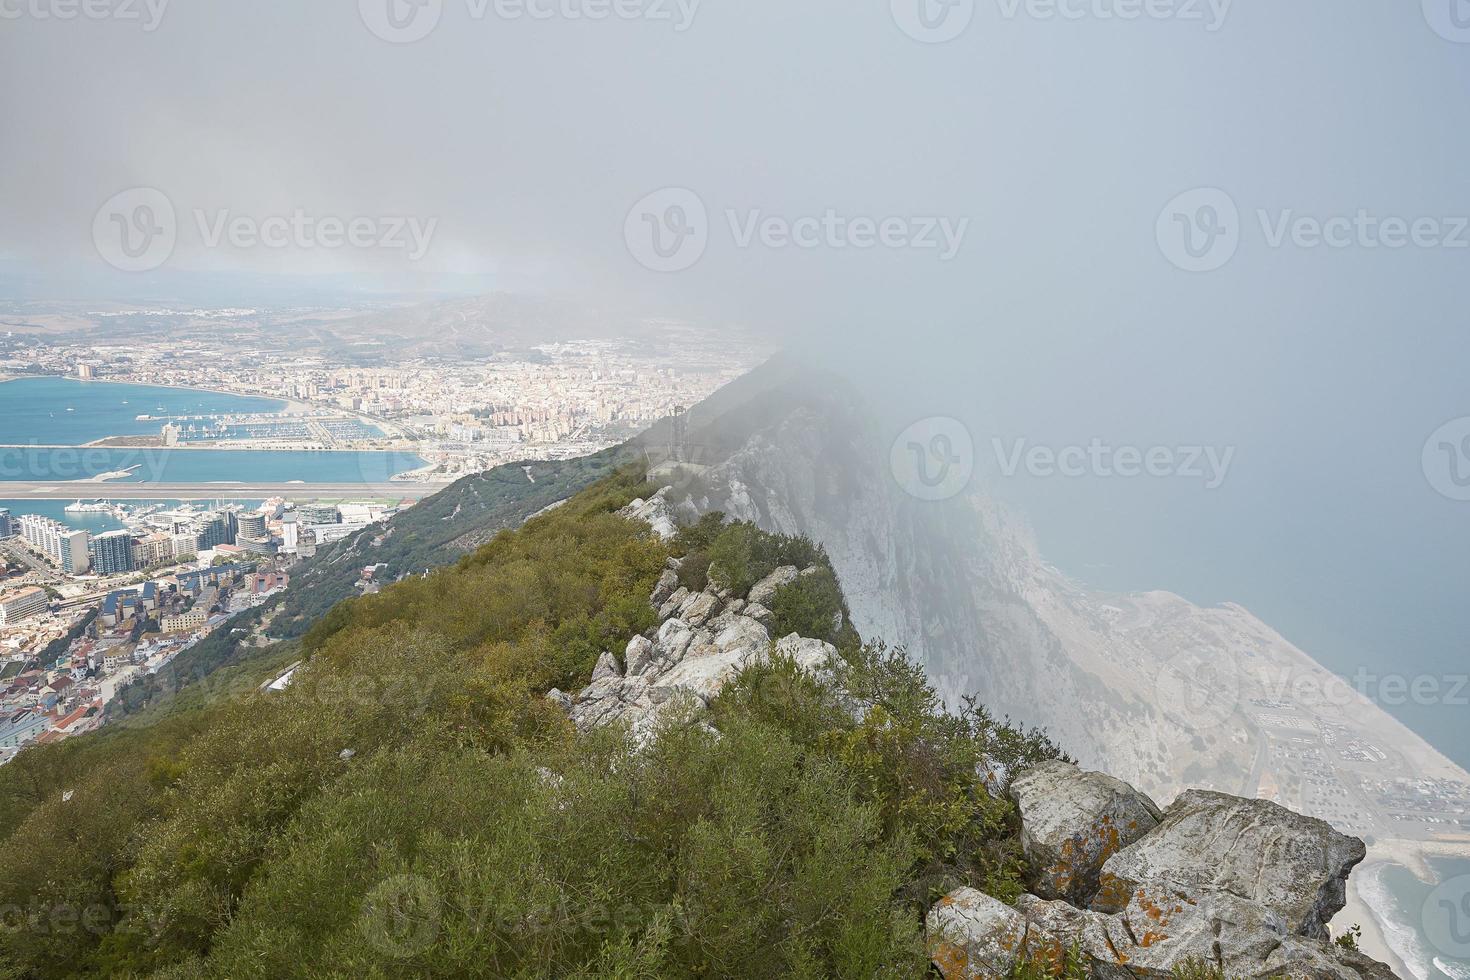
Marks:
<point>87,490</point>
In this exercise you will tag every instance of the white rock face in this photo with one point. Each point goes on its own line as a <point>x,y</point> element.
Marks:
<point>656,513</point>
<point>1145,686</point>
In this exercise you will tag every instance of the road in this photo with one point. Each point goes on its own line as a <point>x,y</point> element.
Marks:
<point>61,490</point>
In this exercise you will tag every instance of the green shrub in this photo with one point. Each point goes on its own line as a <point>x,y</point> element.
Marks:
<point>812,606</point>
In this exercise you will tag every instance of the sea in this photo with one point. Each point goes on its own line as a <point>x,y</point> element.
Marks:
<point>1427,924</point>
<point>36,413</point>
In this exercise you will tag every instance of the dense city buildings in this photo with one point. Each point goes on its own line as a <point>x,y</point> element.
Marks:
<point>17,606</point>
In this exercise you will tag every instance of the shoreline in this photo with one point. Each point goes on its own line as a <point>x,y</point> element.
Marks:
<point>292,406</point>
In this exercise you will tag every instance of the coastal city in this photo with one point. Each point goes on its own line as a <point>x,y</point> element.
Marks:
<point>103,578</point>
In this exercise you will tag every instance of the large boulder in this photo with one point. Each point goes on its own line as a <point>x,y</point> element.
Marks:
<point>1071,822</point>
<point>1161,931</point>
<point>971,935</point>
<point>1289,865</point>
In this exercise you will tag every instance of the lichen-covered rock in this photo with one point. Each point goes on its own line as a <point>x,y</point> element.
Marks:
<point>1293,866</point>
<point>1160,930</point>
<point>1071,822</point>
<point>764,591</point>
<point>971,935</point>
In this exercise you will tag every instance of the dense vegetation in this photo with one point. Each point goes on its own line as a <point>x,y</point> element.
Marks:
<point>411,804</point>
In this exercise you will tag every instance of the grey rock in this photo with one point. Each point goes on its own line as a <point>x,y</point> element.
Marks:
<point>638,655</point>
<point>1162,929</point>
<point>674,602</point>
<point>1294,866</point>
<point>699,608</point>
<point>655,512</point>
<point>971,935</point>
<point>561,699</point>
<point>607,666</point>
<point>1071,822</point>
<point>759,613</point>
<point>668,583</point>
<point>765,590</point>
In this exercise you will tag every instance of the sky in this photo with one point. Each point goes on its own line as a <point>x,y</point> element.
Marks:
<point>1150,223</point>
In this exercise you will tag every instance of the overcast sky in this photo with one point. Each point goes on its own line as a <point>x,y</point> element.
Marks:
<point>1049,139</point>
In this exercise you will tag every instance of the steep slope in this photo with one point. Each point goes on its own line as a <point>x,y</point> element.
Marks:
<point>1146,686</point>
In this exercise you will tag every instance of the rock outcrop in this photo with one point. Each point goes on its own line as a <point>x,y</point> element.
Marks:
<point>1295,867</point>
<point>1243,886</point>
<point>703,641</point>
<point>1072,822</point>
<point>656,512</point>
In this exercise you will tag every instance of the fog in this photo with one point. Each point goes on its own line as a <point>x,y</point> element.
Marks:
<point>1042,150</point>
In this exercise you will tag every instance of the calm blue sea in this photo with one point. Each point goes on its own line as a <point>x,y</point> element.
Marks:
<point>37,412</point>
<point>66,412</point>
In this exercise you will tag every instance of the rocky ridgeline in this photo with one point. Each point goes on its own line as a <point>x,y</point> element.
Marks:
<point>703,641</point>
<point>1244,886</point>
